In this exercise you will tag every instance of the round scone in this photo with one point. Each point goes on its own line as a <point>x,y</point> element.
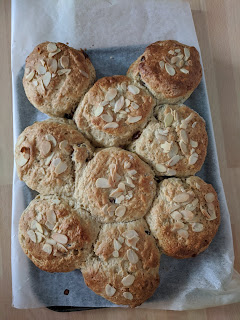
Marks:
<point>175,144</point>
<point>55,236</point>
<point>113,110</point>
<point>169,69</point>
<point>185,216</point>
<point>56,77</point>
<point>48,153</point>
<point>125,266</point>
<point>116,186</point>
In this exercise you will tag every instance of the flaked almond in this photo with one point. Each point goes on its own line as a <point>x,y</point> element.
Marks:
<point>127,102</point>
<point>180,63</point>
<point>194,124</point>
<point>128,295</point>
<point>102,183</point>
<point>209,197</point>
<point>41,69</point>
<point>47,248</point>
<point>40,236</point>
<point>32,235</point>
<point>119,104</point>
<point>161,64</point>
<point>181,197</point>
<point>115,254</point>
<point>117,246</point>
<point>188,215</point>
<point>170,70</point>
<point>98,111</point>
<point>187,53</point>
<point>183,147</point>
<point>63,71</point>
<point>193,158</point>
<point>46,79</point>
<point>171,172</point>
<point>39,227</point>
<point>49,158</point>
<point>52,54</point>
<point>51,47</point>
<point>111,210</point>
<point>22,159</point>
<point>128,280</point>
<point>184,136</point>
<point>129,234</point>
<point>63,145</point>
<point>168,120</point>
<point>35,83</point>
<point>111,125</point>
<point>127,165</point>
<point>121,186</point>
<point>103,103</point>
<point>51,241</point>
<point>183,233</point>
<point>84,73</point>
<point>61,248</point>
<point>61,167</point>
<point>134,119</point>
<point>52,65</point>
<point>132,172</point>
<point>176,215</point>
<point>110,291</point>
<point>132,242</point>
<point>166,146</point>
<point>107,117</point>
<point>33,225</point>
<point>51,217</point>
<point>174,60</point>
<point>120,239</point>
<point>178,225</point>
<point>133,89</point>
<point>132,256</point>
<point>173,161</point>
<point>161,168</point>
<point>61,238</point>
<point>64,60</point>
<point>51,138</point>
<point>183,70</point>
<point>119,199</point>
<point>120,211</point>
<point>56,162</point>
<point>193,143</point>
<point>45,148</point>
<point>129,182</point>
<point>163,132</point>
<point>30,76</point>
<point>173,151</point>
<point>111,94</point>
<point>197,227</point>
<point>124,86</point>
<point>115,193</point>
<point>135,105</point>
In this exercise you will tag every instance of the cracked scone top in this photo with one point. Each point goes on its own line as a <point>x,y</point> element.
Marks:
<point>185,216</point>
<point>48,153</point>
<point>56,77</point>
<point>169,69</point>
<point>55,236</point>
<point>174,144</point>
<point>113,110</point>
<point>116,186</point>
<point>124,267</point>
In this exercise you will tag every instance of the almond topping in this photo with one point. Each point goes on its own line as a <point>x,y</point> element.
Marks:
<point>98,111</point>
<point>129,234</point>
<point>32,235</point>
<point>52,65</point>
<point>128,280</point>
<point>111,125</point>
<point>51,217</point>
<point>47,248</point>
<point>182,233</point>
<point>45,148</point>
<point>61,248</point>
<point>209,197</point>
<point>63,71</point>
<point>188,215</point>
<point>51,241</point>
<point>107,117</point>
<point>46,79</point>
<point>194,144</point>
<point>134,119</point>
<point>197,227</point>
<point>194,124</point>
<point>181,197</point>
<point>128,295</point>
<point>127,102</point>
<point>161,63</point>
<point>39,227</point>
<point>183,70</point>
<point>127,165</point>
<point>64,60</point>
<point>120,211</point>
<point>178,225</point>
<point>117,245</point>
<point>168,120</point>
<point>174,160</point>
<point>111,94</point>
<point>51,138</point>
<point>176,215</point>
<point>132,256</point>
<point>61,238</point>
<point>61,167</point>
<point>171,172</point>
<point>49,158</point>
<point>115,254</point>
<point>30,76</point>
<point>41,69</point>
<point>193,158</point>
<point>110,291</point>
<point>134,105</point>
<point>187,53</point>
<point>183,147</point>
<point>184,136</point>
<point>161,168</point>
<point>52,54</point>
<point>22,159</point>
<point>102,183</point>
<point>39,236</point>
<point>84,73</point>
<point>132,242</point>
<point>170,70</point>
<point>119,104</point>
<point>133,89</point>
<point>51,47</point>
<point>119,199</point>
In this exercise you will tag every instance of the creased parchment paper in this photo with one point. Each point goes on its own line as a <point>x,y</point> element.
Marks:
<point>115,34</point>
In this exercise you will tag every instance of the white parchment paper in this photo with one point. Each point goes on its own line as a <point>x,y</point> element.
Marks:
<point>115,34</point>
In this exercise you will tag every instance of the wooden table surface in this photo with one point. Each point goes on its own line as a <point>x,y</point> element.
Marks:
<point>218,26</point>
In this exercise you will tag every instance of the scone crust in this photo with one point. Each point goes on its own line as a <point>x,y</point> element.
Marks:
<point>92,124</point>
<point>161,141</point>
<point>79,228</point>
<point>137,197</point>
<point>179,240</point>
<point>61,96</point>
<point>103,269</point>
<point>164,87</point>
<point>39,172</point>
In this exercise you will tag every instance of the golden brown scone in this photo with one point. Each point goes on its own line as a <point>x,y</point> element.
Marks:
<point>57,77</point>
<point>55,236</point>
<point>175,144</point>
<point>48,153</point>
<point>169,69</point>
<point>116,186</point>
<point>185,216</point>
<point>125,266</point>
<point>113,110</point>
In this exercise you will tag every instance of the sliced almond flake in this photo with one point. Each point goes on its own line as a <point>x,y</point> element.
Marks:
<point>127,165</point>
<point>184,136</point>
<point>209,197</point>
<point>45,232</point>
<point>188,215</point>
<point>33,225</point>
<point>180,63</point>
<point>117,246</point>
<point>51,241</point>
<point>197,227</point>
<point>183,70</point>
<point>52,54</point>
<point>161,168</point>
<point>177,50</point>
<point>174,60</point>
<point>115,254</point>
<point>183,147</point>
<point>129,234</point>
<point>53,75</point>
<point>120,239</point>
<point>46,79</point>
<point>161,63</point>
<point>181,197</point>
<point>133,89</point>
<point>41,85</point>
<point>173,151</point>
<point>61,248</point>
<point>163,132</point>
<point>128,280</point>
<point>135,106</point>
<point>171,52</point>
<point>63,71</point>
<point>180,55</point>
<point>41,69</point>
<point>98,111</point>
<point>35,83</point>
<point>192,151</point>
<point>111,125</point>
<point>107,117</point>
<point>49,158</point>
<point>170,70</point>
<point>39,227</point>
<point>128,295</point>
<point>168,120</point>
<point>121,186</point>
<point>52,65</point>
<point>178,225</point>
<point>115,193</point>
<point>42,62</point>
<point>212,215</point>
<point>176,215</point>
<point>134,119</point>
<point>132,256</point>
<point>193,158</point>
<point>102,183</point>
<point>128,196</point>
<point>63,145</point>
<point>30,76</point>
<point>173,208</point>
<point>189,118</point>
<point>111,210</point>
<point>51,138</point>
<point>132,172</point>
<point>51,47</point>
<point>132,242</point>
<point>194,124</point>
<point>40,236</point>
<point>85,74</point>
<point>166,146</point>
<point>20,140</point>
<point>210,206</point>
<point>61,167</point>
<point>22,160</point>
<point>173,161</point>
<point>183,125</point>
<point>111,94</point>
<point>119,104</point>
<point>129,182</point>
<point>45,148</point>
<point>103,103</point>
<point>110,291</point>
<point>193,143</point>
<point>124,86</point>
<point>120,211</point>
<point>119,199</point>
<point>56,162</point>
<point>51,217</point>
<point>187,53</point>
<point>175,115</point>
<point>32,235</point>
<point>171,172</point>
<point>183,233</point>
<point>64,60</point>
<point>47,248</point>
<point>104,209</point>
<point>61,238</point>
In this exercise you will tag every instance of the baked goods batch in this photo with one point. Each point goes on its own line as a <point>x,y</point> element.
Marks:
<point>117,185</point>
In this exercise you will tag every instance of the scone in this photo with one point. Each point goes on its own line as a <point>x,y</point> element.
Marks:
<point>174,144</point>
<point>125,266</point>
<point>169,69</point>
<point>116,186</point>
<point>56,77</point>
<point>48,153</point>
<point>54,236</point>
<point>113,110</point>
<point>185,216</point>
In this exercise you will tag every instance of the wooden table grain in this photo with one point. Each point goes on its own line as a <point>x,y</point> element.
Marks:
<point>218,25</point>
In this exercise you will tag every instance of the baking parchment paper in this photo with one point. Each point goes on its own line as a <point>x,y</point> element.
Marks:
<point>115,34</point>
